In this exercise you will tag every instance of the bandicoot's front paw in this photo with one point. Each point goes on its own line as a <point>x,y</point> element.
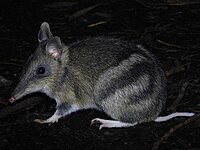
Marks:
<point>40,121</point>
<point>52,119</point>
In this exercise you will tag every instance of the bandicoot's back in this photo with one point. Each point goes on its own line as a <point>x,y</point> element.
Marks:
<point>127,81</point>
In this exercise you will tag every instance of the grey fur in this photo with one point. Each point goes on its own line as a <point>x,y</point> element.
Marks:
<point>120,78</point>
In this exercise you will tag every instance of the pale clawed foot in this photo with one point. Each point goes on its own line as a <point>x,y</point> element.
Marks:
<point>110,123</point>
<point>52,119</point>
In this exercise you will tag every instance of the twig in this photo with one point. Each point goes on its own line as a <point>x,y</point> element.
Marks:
<point>182,2</point>
<point>168,44</point>
<point>4,81</point>
<point>175,70</point>
<point>172,130</point>
<point>83,11</point>
<point>10,63</point>
<point>96,24</point>
<point>180,96</point>
<point>3,102</point>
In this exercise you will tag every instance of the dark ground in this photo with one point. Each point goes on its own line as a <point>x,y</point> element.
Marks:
<point>170,29</point>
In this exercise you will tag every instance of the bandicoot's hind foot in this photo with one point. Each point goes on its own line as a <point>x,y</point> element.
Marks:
<point>110,123</point>
<point>50,120</point>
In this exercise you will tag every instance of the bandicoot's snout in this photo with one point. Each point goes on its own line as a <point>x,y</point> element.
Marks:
<point>12,99</point>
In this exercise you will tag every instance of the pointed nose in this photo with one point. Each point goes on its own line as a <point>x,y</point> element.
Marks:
<point>12,100</point>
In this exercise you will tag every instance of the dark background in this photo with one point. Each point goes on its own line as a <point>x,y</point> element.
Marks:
<point>168,28</point>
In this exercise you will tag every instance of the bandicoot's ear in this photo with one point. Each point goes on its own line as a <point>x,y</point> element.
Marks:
<point>44,33</point>
<point>54,47</point>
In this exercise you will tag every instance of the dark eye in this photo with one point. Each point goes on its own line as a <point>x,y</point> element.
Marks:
<point>41,70</point>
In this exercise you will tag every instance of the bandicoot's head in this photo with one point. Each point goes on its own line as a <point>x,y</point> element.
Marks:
<point>44,71</point>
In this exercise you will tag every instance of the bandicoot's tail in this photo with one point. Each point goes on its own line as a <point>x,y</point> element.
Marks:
<point>176,114</point>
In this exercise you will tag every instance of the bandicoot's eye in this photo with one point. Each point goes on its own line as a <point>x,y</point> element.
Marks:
<point>41,70</point>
